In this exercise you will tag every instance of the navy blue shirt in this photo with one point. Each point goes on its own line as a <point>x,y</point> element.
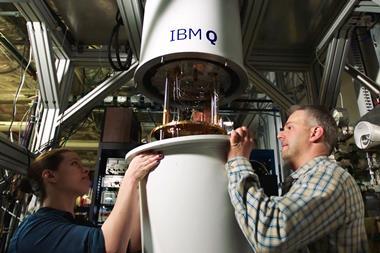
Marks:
<point>52,230</point>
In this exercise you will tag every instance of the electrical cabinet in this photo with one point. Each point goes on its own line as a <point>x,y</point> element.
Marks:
<point>120,134</point>
<point>109,174</point>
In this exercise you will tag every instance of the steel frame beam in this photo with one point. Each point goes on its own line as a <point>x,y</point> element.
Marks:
<point>369,6</point>
<point>370,84</point>
<point>280,80</point>
<point>268,61</point>
<point>259,81</point>
<point>93,57</point>
<point>47,81</point>
<point>252,16</point>
<point>55,76</point>
<point>280,83</point>
<point>131,12</point>
<point>363,57</point>
<point>376,2</point>
<point>335,62</point>
<point>337,24</point>
<point>13,157</point>
<point>16,54</point>
<point>96,96</point>
<point>65,77</point>
<point>55,113</point>
<point>338,39</point>
<point>38,11</point>
<point>51,52</point>
<point>311,87</point>
<point>46,73</point>
<point>46,131</point>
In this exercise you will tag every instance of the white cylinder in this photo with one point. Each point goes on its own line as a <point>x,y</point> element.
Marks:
<point>181,30</point>
<point>185,205</point>
<point>367,135</point>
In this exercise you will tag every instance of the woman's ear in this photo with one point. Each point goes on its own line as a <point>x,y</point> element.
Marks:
<point>49,176</point>
<point>316,134</point>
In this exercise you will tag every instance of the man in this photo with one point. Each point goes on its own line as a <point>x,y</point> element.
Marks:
<point>322,212</point>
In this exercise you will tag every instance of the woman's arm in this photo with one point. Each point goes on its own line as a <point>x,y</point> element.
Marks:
<point>118,227</point>
<point>135,240</point>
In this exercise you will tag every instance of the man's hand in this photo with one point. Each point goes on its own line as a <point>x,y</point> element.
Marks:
<point>241,143</point>
<point>142,164</point>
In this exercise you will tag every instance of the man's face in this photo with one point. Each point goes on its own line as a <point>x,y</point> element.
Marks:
<point>295,136</point>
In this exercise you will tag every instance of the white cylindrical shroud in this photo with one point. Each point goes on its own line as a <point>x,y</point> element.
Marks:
<point>184,203</point>
<point>188,30</point>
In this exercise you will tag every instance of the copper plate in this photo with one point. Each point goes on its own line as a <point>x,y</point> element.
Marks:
<point>185,128</point>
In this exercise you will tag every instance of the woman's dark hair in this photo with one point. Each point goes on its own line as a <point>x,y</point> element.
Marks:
<point>49,160</point>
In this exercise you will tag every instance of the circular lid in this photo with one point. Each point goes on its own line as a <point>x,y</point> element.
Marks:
<point>178,141</point>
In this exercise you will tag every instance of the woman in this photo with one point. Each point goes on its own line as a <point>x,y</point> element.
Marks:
<point>61,178</point>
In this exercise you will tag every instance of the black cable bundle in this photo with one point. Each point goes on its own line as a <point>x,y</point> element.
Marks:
<point>119,65</point>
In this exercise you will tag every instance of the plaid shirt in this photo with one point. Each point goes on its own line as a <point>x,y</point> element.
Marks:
<point>322,212</point>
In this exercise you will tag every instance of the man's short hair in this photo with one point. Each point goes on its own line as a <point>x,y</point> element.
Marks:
<point>324,119</point>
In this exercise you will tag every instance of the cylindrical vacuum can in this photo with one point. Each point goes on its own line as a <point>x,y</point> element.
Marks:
<point>205,33</point>
<point>185,205</point>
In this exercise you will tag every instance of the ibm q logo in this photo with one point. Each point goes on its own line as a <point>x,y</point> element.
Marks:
<point>190,34</point>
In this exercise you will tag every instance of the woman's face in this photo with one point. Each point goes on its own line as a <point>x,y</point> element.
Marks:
<point>72,176</point>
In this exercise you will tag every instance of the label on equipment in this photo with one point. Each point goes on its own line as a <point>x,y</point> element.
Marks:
<point>190,34</point>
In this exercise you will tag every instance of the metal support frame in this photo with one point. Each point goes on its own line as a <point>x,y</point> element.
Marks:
<point>338,39</point>
<point>252,16</point>
<point>96,96</point>
<point>363,57</point>
<point>253,13</point>
<point>48,83</point>
<point>313,77</point>
<point>16,54</point>
<point>94,57</point>
<point>338,23</point>
<point>369,6</point>
<point>47,40</point>
<point>268,88</point>
<point>54,42</point>
<point>280,80</point>
<point>65,78</point>
<point>43,57</point>
<point>55,113</point>
<point>12,156</point>
<point>38,11</point>
<point>55,71</point>
<point>131,12</point>
<point>280,83</point>
<point>311,87</point>
<point>267,61</point>
<point>335,61</point>
<point>371,85</point>
<point>376,2</point>
<point>46,131</point>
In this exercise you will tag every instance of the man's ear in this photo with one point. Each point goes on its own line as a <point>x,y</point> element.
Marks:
<point>49,176</point>
<point>316,134</point>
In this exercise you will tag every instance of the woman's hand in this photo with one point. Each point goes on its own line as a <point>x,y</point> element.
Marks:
<point>119,227</point>
<point>142,164</point>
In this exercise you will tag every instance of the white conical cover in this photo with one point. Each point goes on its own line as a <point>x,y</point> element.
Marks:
<point>184,30</point>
